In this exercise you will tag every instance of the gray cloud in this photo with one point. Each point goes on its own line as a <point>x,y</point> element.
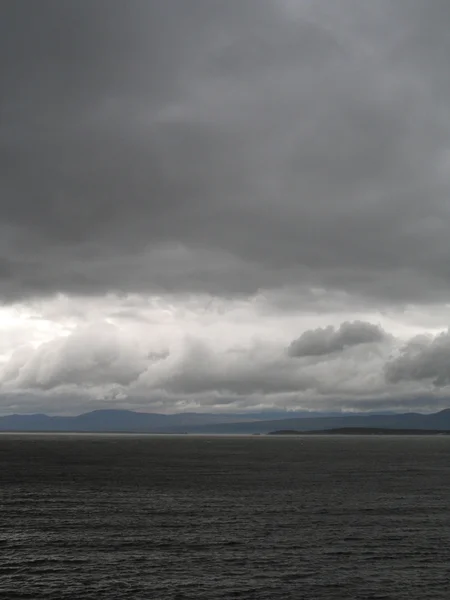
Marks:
<point>224,146</point>
<point>422,358</point>
<point>326,340</point>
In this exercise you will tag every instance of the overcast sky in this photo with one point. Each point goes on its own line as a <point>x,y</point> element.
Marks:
<point>224,205</point>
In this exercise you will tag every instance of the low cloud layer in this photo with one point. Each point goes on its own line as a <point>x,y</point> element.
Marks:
<point>336,367</point>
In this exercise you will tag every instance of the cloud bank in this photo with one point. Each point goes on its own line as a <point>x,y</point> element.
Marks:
<point>224,147</point>
<point>328,368</point>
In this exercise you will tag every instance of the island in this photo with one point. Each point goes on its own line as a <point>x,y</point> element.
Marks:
<point>362,431</point>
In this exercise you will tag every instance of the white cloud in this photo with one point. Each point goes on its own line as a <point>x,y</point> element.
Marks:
<point>199,353</point>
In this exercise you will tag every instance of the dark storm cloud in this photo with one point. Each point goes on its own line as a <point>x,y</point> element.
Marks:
<point>326,340</point>
<point>422,358</point>
<point>224,146</point>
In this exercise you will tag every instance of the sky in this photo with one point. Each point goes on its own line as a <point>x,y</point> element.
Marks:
<point>224,205</point>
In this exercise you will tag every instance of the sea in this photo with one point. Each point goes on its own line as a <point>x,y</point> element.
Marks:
<point>191,517</point>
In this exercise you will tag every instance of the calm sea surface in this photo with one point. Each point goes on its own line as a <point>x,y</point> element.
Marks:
<point>93,517</point>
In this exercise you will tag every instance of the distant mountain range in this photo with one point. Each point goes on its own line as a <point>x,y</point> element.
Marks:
<point>125,421</point>
<point>130,421</point>
<point>119,421</point>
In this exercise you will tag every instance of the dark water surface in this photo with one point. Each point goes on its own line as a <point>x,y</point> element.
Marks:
<point>93,517</point>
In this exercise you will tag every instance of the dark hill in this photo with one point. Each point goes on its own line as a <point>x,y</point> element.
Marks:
<point>111,420</point>
<point>363,431</point>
